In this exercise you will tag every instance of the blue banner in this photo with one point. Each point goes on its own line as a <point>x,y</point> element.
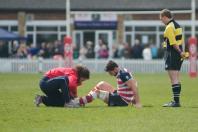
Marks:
<point>105,25</point>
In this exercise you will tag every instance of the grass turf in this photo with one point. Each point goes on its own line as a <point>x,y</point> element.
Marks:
<point>18,113</point>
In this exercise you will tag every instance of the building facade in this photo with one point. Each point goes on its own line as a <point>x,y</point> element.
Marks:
<point>112,21</point>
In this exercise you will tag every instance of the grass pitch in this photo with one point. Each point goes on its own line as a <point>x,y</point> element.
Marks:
<point>18,113</point>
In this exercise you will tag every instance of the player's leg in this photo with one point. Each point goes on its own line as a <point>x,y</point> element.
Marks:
<point>101,91</point>
<point>116,100</point>
<point>176,86</point>
<point>54,97</point>
<point>105,87</point>
<point>173,65</point>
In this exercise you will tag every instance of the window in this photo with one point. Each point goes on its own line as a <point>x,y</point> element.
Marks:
<point>146,38</point>
<point>138,28</point>
<point>162,28</point>
<point>128,28</point>
<point>14,28</point>
<point>114,35</point>
<point>4,27</point>
<point>46,38</point>
<point>128,39</point>
<point>46,28</point>
<point>187,28</point>
<point>30,28</point>
<point>63,28</point>
<point>30,39</point>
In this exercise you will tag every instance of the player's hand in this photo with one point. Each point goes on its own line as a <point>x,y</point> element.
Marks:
<point>184,55</point>
<point>164,45</point>
<point>138,105</point>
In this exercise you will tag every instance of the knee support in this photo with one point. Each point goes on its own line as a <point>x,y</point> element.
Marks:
<point>103,95</point>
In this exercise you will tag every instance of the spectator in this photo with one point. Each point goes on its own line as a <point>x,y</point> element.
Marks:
<point>33,51</point>
<point>90,51</point>
<point>50,49</point>
<point>103,52</point>
<point>58,48</point>
<point>82,53</point>
<point>137,50</point>
<point>154,51</point>
<point>126,50</point>
<point>22,51</point>
<point>43,52</point>
<point>15,47</point>
<point>115,51</point>
<point>97,48</point>
<point>120,50</point>
<point>147,55</point>
<point>75,52</point>
<point>3,49</point>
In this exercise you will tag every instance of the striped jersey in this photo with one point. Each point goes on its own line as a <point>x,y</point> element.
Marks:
<point>122,89</point>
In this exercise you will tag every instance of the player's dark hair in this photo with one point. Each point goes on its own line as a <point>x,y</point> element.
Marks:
<point>82,71</point>
<point>167,13</point>
<point>110,66</point>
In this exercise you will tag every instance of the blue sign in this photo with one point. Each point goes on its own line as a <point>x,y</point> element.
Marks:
<point>105,25</point>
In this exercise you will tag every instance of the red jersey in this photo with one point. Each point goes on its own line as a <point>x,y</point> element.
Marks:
<point>70,73</point>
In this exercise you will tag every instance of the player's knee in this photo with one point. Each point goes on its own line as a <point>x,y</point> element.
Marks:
<point>103,95</point>
<point>136,83</point>
<point>101,84</point>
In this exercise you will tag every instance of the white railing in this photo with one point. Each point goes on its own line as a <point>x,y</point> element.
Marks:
<point>34,66</point>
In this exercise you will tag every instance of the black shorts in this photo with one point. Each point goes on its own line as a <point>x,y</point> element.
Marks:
<point>116,100</point>
<point>173,60</point>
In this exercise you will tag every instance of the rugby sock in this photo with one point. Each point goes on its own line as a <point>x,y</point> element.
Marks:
<point>88,98</point>
<point>176,89</point>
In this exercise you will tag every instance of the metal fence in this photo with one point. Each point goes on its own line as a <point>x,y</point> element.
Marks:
<point>95,65</point>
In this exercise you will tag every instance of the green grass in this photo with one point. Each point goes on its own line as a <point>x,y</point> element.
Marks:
<point>18,113</point>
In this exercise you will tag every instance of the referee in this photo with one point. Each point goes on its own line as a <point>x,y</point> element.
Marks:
<point>173,40</point>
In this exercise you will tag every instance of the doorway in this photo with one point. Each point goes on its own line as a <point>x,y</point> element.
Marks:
<point>82,37</point>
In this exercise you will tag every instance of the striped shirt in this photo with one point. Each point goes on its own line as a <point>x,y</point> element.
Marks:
<point>123,90</point>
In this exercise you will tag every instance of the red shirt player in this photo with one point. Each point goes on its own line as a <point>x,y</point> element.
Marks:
<point>60,85</point>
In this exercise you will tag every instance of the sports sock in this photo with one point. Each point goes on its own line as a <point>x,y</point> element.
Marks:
<point>176,89</point>
<point>88,98</point>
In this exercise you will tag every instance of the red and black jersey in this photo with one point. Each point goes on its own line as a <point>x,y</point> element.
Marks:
<point>68,72</point>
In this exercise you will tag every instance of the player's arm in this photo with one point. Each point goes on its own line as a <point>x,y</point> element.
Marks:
<point>173,42</point>
<point>182,54</point>
<point>73,93</point>
<point>73,86</point>
<point>132,84</point>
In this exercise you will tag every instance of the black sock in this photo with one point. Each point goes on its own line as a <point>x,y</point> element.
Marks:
<point>176,88</point>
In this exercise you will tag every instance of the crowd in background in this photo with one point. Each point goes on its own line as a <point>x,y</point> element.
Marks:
<point>22,50</point>
<point>124,50</point>
<point>88,51</point>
